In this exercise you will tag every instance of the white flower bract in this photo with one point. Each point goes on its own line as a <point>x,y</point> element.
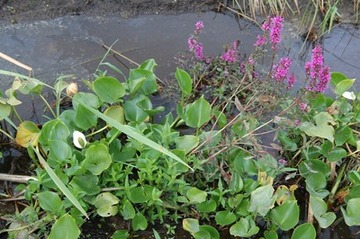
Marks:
<point>349,95</point>
<point>79,139</point>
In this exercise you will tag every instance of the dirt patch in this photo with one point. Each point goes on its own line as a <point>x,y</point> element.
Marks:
<point>19,10</point>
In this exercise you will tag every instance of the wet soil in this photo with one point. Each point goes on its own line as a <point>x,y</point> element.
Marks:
<point>20,10</point>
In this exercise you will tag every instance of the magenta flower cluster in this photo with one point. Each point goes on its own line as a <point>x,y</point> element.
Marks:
<point>281,71</point>
<point>272,28</point>
<point>193,44</point>
<point>318,73</point>
<point>231,54</point>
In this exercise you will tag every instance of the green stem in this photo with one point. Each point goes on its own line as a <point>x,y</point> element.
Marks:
<point>97,131</point>
<point>6,134</point>
<point>16,114</point>
<point>48,106</point>
<point>337,182</point>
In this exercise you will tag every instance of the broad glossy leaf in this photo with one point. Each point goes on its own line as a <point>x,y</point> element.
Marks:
<point>343,86</point>
<point>149,85</point>
<point>116,112</point>
<point>54,130</point>
<point>270,234</point>
<point>351,213</point>
<point>245,227</point>
<point>97,159</point>
<point>135,108</point>
<point>27,134</point>
<point>198,113</point>
<point>5,110</point>
<point>286,216</point>
<point>59,150</point>
<point>337,77</point>
<point>210,231</point>
<point>224,218</point>
<point>187,142</point>
<point>319,208</point>
<point>184,80</point>
<point>191,225</point>
<point>65,227</point>
<point>128,211</point>
<point>206,206</point>
<point>196,195</point>
<point>84,119</point>
<point>106,204</point>
<point>87,184</point>
<point>312,166</point>
<point>262,200</point>
<point>322,131</point>
<point>108,89</point>
<point>315,185</point>
<point>51,202</point>
<point>342,135</point>
<point>336,154</point>
<point>354,177</point>
<point>140,194</point>
<point>304,231</point>
<point>120,234</point>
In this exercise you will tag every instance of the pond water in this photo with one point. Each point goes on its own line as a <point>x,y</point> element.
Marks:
<point>72,45</point>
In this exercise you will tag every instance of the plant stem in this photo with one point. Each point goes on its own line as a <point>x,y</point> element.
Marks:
<point>97,131</point>
<point>47,105</point>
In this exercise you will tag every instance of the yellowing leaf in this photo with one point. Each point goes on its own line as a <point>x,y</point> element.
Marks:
<point>28,134</point>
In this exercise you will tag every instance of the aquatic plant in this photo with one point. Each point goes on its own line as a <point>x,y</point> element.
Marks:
<point>205,166</point>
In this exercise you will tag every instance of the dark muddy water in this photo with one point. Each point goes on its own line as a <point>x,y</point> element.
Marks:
<point>72,45</point>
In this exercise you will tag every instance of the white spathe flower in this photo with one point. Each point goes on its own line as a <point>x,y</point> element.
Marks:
<point>79,139</point>
<point>349,95</point>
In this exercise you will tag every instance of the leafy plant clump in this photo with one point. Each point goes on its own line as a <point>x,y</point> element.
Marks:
<point>205,165</point>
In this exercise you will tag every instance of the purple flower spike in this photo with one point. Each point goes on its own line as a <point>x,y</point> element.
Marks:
<point>281,70</point>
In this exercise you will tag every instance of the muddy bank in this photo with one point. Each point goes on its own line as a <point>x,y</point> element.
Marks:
<point>17,10</point>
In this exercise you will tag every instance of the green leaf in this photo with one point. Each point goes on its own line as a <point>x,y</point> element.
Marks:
<point>262,200</point>
<point>135,108</point>
<point>312,166</point>
<point>245,227</point>
<point>319,208</point>
<point>54,130</point>
<point>336,154</point>
<point>59,150</point>
<point>97,159</point>
<point>108,89</point>
<point>140,194</point>
<point>51,202</point>
<point>343,86</point>
<point>88,184</point>
<point>206,206</point>
<point>286,142</point>
<point>132,133</point>
<point>84,119</point>
<point>343,135</point>
<point>116,112</point>
<point>149,85</point>
<point>196,195</point>
<point>128,211</point>
<point>184,80</point>
<point>209,232</point>
<point>139,222</point>
<point>351,214</point>
<point>65,227</point>
<point>120,234</point>
<point>106,204</point>
<point>224,218</point>
<point>315,185</point>
<point>286,216</point>
<point>270,234</point>
<point>322,128</point>
<point>354,177</point>
<point>198,113</point>
<point>304,231</point>
<point>187,142</point>
<point>337,77</point>
<point>191,225</point>
<point>5,110</point>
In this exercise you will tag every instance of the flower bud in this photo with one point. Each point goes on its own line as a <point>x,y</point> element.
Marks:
<point>72,89</point>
